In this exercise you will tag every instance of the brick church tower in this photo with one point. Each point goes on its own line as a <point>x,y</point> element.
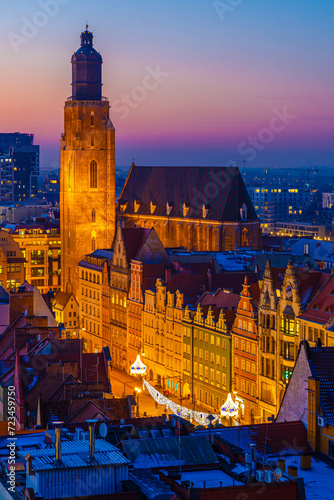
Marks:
<point>87,172</point>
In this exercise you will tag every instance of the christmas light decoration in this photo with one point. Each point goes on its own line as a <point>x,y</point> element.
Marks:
<point>229,408</point>
<point>181,411</point>
<point>138,367</point>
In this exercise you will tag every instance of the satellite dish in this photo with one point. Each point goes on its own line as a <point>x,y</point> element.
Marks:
<point>122,421</point>
<point>103,430</point>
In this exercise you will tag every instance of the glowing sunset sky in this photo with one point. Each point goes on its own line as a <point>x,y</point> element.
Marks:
<point>231,72</point>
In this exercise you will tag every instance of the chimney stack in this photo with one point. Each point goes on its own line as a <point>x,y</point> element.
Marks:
<point>29,465</point>
<point>209,279</point>
<point>58,440</point>
<point>253,453</point>
<point>91,423</point>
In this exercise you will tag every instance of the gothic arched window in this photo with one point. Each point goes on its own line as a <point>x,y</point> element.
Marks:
<point>228,240</point>
<point>93,175</point>
<point>245,240</point>
<point>93,240</point>
<point>92,118</point>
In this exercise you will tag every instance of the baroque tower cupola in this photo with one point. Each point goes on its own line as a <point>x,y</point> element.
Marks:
<point>86,70</point>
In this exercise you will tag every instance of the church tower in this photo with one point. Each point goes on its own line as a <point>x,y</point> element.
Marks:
<point>87,169</point>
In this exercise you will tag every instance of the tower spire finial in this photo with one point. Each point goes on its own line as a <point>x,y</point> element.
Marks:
<point>86,25</point>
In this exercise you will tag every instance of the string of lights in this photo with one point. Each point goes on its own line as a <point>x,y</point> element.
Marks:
<point>181,411</point>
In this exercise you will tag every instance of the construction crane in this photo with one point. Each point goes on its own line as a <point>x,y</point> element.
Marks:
<point>308,171</point>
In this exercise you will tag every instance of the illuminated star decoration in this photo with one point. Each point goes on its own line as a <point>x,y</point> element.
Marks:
<point>138,367</point>
<point>229,408</point>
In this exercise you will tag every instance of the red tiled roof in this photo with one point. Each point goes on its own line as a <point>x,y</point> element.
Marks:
<point>233,280</point>
<point>92,370</point>
<point>321,308</point>
<point>270,438</point>
<point>272,491</point>
<point>191,285</point>
<point>221,299</point>
<point>308,283</point>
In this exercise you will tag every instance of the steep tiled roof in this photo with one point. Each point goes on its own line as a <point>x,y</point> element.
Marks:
<point>321,360</point>
<point>61,299</point>
<point>321,309</point>
<point>134,238</point>
<point>219,299</point>
<point>179,185</point>
<point>269,438</point>
<point>309,282</point>
<point>233,280</point>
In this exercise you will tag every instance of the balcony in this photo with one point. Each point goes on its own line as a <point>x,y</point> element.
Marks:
<point>104,99</point>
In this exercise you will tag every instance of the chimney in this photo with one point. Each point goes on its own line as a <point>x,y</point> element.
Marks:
<point>168,274</point>
<point>210,279</point>
<point>58,440</point>
<point>29,465</point>
<point>91,423</point>
<point>253,453</point>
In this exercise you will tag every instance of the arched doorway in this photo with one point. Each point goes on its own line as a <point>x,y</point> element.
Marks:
<point>186,390</point>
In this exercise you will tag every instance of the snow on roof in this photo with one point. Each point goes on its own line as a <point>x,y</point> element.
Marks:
<point>319,480</point>
<point>318,250</point>
<point>209,478</point>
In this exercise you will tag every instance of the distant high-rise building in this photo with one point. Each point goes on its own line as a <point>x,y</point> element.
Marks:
<point>6,178</point>
<point>87,172</point>
<point>327,200</point>
<point>277,203</point>
<point>25,158</point>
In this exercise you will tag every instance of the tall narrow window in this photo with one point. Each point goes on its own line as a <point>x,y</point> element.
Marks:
<point>92,141</point>
<point>93,175</point>
<point>93,216</point>
<point>229,244</point>
<point>245,239</point>
<point>92,118</point>
<point>93,247</point>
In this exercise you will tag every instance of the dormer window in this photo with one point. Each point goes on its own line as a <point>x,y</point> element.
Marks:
<point>205,210</point>
<point>169,207</point>
<point>123,206</point>
<point>136,205</point>
<point>185,208</point>
<point>153,206</point>
<point>243,212</point>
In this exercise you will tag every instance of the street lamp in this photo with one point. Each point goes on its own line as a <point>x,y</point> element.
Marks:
<point>138,391</point>
<point>138,369</point>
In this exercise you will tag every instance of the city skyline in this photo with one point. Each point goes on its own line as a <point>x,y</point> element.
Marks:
<point>195,97</point>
